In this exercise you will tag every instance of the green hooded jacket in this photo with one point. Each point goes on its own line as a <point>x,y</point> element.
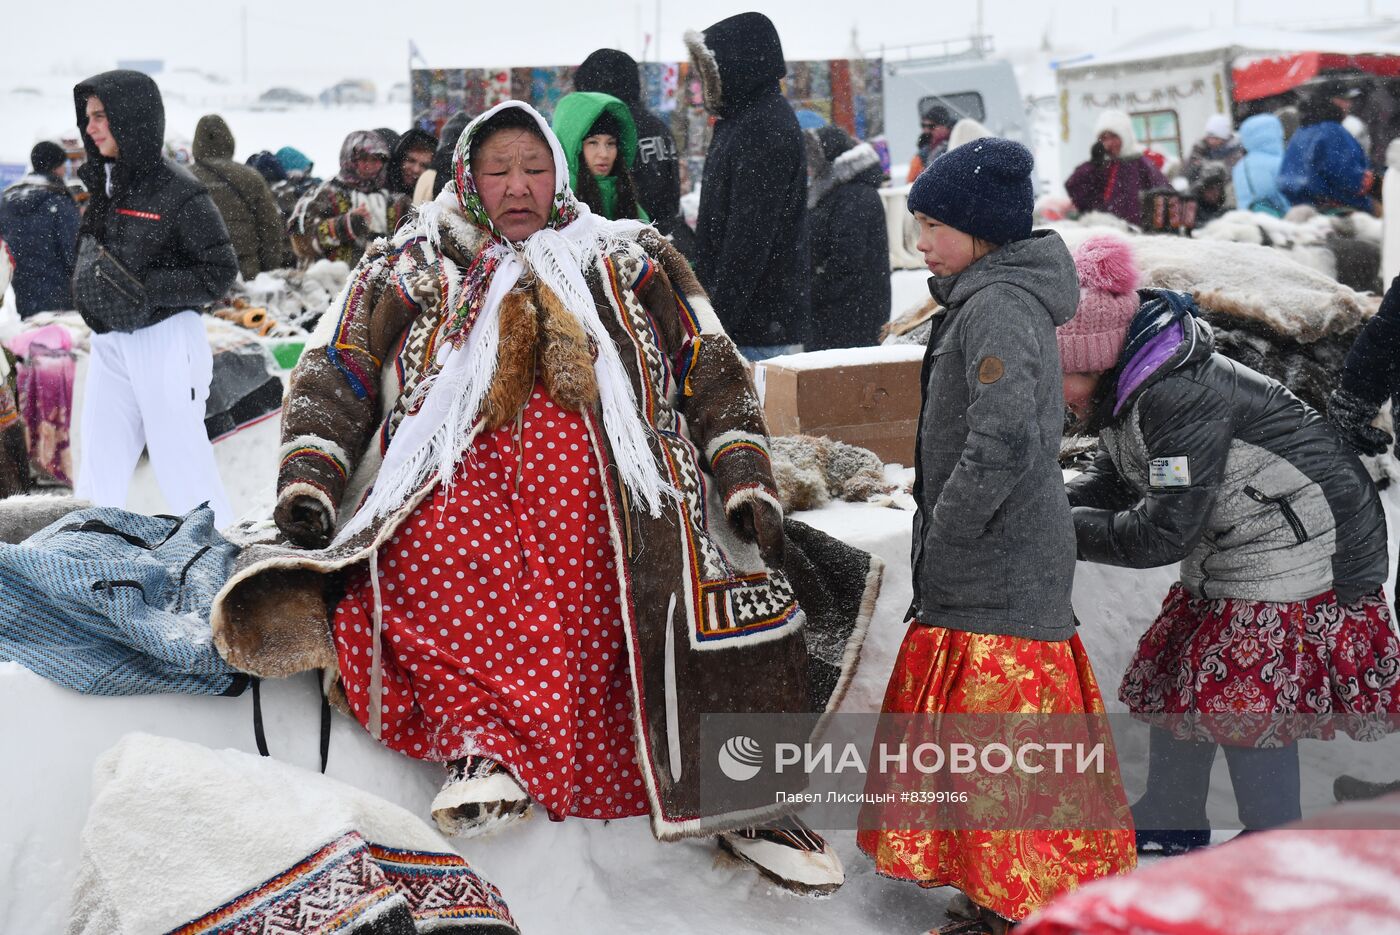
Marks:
<point>573,118</point>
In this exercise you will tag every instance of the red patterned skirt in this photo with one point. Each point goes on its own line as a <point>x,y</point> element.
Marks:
<point>502,623</point>
<point>1260,673</point>
<point>1013,873</point>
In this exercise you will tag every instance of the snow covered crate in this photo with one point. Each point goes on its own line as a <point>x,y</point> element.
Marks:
<point>865,396</point>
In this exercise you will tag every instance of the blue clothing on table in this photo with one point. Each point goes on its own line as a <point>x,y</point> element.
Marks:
<point>107,602</point>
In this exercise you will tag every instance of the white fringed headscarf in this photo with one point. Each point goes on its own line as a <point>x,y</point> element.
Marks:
<point>433,439</point>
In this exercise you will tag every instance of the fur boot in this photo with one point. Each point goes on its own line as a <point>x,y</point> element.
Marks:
<point>479,797</point>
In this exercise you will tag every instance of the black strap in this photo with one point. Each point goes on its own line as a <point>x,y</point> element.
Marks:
<point>325,724</point>
<point>260,736</point>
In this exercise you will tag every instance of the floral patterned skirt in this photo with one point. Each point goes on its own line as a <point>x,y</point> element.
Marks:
<point>1013,873</point>
<point>1261,673</point>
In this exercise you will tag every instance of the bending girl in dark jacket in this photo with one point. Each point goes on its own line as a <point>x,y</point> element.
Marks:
<point>1278,622</point>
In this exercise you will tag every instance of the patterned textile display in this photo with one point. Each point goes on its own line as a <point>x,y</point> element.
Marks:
<point>848,92</point>
<point>1013,873</point>
<point>1236,671</point>
<point>108,602</point>
<point>44,384</point>
<point>238,844</point>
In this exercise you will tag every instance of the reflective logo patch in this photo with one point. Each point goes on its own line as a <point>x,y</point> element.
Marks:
<point>1169,472</point>
<point>990,370</point>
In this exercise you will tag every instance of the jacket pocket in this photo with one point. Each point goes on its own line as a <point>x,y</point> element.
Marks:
<point>965,573</point>
<point>1290,516</point>
<point>105,291</point>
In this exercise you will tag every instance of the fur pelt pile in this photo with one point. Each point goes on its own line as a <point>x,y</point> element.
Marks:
<point>1345,248</point>
<point>1270,311</point>
<point>811,471</point>
<point>295,298</point>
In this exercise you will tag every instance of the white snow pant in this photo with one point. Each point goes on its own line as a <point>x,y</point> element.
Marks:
<point>147,389</point>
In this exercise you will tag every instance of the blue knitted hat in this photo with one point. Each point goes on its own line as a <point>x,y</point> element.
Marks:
<point>982,188</point>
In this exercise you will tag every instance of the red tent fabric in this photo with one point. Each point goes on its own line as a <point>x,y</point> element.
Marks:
<point>1337,872</point>
<point>1270,76</point>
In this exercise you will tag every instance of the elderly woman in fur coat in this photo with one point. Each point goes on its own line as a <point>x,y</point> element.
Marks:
<point>535,486</point>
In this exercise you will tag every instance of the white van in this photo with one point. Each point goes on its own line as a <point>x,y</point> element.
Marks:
<point>983,89</point>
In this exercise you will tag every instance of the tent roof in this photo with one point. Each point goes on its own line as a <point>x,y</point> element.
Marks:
<point>1232,41</point>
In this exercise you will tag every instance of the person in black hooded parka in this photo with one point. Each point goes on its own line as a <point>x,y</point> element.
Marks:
<point>850,249</point>
<point>656,174</point>
<point>152,252</point>
<point>751,238</point>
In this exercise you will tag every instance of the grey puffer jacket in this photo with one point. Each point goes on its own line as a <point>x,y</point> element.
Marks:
<point>1204,461</point>
<point>993,544</point>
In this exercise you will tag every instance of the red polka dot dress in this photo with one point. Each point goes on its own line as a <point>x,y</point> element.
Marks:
<point>502,622</point>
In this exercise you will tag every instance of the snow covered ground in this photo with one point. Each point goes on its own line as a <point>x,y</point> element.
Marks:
<point>590,877</point>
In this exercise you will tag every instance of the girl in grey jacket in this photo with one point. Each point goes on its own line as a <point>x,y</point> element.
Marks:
<point>992,631</point>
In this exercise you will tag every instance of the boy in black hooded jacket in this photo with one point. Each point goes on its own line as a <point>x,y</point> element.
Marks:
<point>152,252</point>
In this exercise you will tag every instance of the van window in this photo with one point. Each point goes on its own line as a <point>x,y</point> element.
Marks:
<point>1158,130</point>
<point>960,105</point>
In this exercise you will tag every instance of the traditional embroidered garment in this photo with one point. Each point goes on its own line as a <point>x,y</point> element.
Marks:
<point>439,338</point>
<point>1239,671</point>
<point>237,844</point>
<point>44,381</point>
<point>503,630</point>
<point>1012,873</point>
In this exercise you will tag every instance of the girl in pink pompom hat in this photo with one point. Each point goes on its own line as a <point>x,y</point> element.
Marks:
<point>1278,627</point>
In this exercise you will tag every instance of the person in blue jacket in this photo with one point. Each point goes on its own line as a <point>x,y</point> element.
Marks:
<point>39,221</point>
<point>1323,165</point>
<point>1256,175</point>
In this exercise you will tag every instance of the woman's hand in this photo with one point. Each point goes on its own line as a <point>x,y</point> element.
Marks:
<point>305,520</point>
<point>759,520</point>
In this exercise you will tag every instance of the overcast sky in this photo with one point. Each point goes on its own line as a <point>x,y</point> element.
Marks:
<point>312,43</point>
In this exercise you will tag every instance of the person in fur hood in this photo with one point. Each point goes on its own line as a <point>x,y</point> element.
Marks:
<point>528,485</point>
<point>751,238</point>
<point>1117,172</point>
<point>850,251</point>
<point>340,217</point>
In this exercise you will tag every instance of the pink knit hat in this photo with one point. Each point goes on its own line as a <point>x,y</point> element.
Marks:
<point>1091,341</point>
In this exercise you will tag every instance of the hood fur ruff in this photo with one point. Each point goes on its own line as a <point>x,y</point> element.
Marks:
<point>704,60</point>
<point>842,169</point>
